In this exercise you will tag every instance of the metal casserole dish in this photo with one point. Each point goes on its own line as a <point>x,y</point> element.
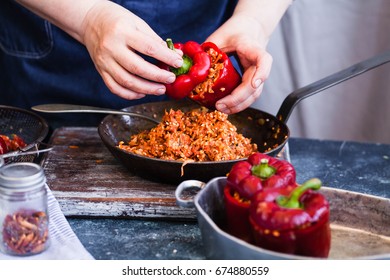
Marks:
<point>356,234</point>
<point>269,132</point>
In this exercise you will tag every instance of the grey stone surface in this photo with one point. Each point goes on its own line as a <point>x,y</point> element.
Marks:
<point>359,167</point>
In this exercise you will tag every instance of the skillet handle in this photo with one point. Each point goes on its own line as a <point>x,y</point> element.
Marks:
<point>296,96</point>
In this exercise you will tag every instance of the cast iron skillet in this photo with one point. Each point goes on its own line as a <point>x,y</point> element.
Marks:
<point>270,133</point>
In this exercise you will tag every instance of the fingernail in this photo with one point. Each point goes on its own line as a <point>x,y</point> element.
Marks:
<point>171,79</point>
<point>178,63</point>
<point>222,108</point>
<point>257,83</point>
<point>160,91</point>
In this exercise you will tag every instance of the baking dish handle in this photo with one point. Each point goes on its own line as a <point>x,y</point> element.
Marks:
<point>186,192</point>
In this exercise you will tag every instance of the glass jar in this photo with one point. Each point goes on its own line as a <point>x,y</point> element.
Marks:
<point>23,209</point>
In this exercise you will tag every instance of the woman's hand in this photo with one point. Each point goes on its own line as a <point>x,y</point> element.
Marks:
<point>246,34</point>
<point>115,38</point>
<point>240,35</point>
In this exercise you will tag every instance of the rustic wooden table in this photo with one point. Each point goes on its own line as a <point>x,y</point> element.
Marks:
<point>88,181</point>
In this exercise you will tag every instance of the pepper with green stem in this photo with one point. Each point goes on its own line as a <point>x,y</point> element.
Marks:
<point>260,171</point>
<point>247,177</point>
<point>293,220</point>
<point>207,73</point>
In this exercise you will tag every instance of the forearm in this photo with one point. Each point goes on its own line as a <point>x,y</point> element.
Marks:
<point>266,12</point>
<point>66,14</point>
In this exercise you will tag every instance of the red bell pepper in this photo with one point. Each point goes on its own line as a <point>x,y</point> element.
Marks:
<point>260,171</point>
<point>195,68</point>
<point>223,78</point>
<point>237,213</point>
<point>13,143</point>
<point>3,146</point>
<point>293,220</point>
<point>247,178</point>
<point>206,75</point>
<point>17,142</point>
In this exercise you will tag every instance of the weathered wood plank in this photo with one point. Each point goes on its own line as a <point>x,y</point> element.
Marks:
<point>88,181</point>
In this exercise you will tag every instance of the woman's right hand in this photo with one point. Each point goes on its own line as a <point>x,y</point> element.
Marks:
<point>115,38</point>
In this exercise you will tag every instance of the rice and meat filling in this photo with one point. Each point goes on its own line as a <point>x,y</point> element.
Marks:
<point>214,72</point>
<point>191,136</point>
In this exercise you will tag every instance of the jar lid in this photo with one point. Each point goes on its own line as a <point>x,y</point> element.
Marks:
<point>21,176</point>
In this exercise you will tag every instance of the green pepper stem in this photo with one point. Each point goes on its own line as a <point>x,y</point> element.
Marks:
<point>263,170</point>
<point>187,61</point>
<point>292,201</point>
<point>170,44</point>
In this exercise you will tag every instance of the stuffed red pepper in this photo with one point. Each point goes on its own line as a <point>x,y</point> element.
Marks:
<point>293,220</point>
<point>207,74</point>
<point>245,179</point>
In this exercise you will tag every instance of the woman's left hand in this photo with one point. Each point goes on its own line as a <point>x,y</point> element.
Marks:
<point>244,37</point>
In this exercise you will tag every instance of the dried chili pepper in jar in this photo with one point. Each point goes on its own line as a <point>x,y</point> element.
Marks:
<point>23,209</point>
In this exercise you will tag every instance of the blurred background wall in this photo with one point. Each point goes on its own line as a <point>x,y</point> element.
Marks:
<point>317,38</point>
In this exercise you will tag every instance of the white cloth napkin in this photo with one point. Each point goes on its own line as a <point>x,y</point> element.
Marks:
<point>64,244</point>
